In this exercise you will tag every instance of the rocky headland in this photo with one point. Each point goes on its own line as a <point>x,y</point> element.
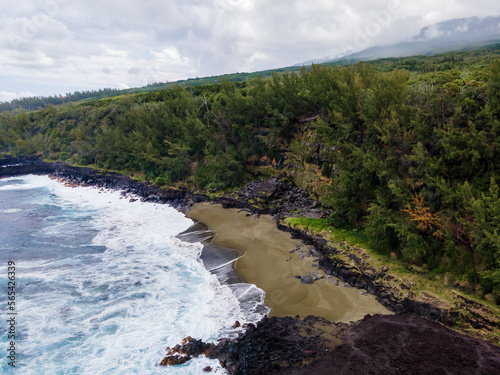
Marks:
<point>389,344</point>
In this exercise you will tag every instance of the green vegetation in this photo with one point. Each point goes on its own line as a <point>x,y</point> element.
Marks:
<point>407,149</point>
<point>315,225</point>
<point>348,234</point>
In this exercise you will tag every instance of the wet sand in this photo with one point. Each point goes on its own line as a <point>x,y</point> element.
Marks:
<point>267,262</point>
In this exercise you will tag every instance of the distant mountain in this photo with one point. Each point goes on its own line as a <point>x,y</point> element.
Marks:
<point>472,29</point>
<point>455,34</point>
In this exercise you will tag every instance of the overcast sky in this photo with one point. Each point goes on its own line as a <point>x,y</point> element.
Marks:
<point>57,46</point>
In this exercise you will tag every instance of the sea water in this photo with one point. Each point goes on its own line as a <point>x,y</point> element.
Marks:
<point>104,285</point>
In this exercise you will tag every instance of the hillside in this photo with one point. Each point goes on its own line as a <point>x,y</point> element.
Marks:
<point>404,150</point>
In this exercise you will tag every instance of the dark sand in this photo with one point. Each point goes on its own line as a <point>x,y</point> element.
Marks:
<point>266,261</point>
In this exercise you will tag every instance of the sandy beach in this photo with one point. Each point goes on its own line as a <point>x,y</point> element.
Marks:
<point>267,261</point>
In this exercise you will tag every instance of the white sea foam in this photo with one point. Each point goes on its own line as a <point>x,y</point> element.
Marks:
<point>23,183</point>
<point>13,187</point>
<point>11,211</point>
<point>115,311</point>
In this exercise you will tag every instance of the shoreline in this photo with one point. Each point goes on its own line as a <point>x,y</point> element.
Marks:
<point>269,258</point>
<point>284,345</point>
<point>272,260</point>
<point>347,267</point>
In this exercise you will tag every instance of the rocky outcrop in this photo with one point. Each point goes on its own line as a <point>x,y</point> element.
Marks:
<point>275,196</point>
<point>12,166</point>
<point>398,344</point>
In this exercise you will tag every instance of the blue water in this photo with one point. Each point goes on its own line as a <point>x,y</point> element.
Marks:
<point>103,285</point>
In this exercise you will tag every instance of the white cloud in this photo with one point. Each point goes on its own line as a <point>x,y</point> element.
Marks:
<point>8,96</point>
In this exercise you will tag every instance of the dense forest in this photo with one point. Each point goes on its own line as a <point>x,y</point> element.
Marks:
<point>407,149</point>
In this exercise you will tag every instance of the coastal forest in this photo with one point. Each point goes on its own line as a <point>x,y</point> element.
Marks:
<point>405,149</point>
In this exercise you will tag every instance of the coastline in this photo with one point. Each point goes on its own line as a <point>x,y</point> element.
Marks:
<point>272,260</point>
<point>283,343</point>
<point>277,195</point>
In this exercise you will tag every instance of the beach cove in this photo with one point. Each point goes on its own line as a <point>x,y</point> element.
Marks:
<point>272,260</point>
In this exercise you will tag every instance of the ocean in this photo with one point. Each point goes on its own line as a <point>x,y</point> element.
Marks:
<point>103,285</point>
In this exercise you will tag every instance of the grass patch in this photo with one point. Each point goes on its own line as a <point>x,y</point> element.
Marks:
<point>352,236</point>
<point>314,225</point>
<point>140,178</point>
<point>348,234</point>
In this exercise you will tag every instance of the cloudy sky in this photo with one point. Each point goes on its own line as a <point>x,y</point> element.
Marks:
<point>56,46</point>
